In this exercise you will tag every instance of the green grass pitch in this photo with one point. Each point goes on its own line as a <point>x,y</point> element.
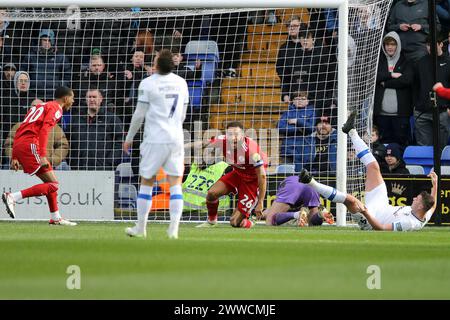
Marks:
<point>221,263</point>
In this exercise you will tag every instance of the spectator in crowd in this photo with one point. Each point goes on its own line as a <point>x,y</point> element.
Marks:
<point>57,147</point>
<point>16,104</point>
<point>97,76</point>
<point>376,147</point>
<point>188,72</point>
<point>95,136</point>
<point>134,73</point>
<point>409,18</point>
<point>8,72</point>
<point>422,86</point>
<point>318,151</point>
<point>299,63</point>
<point>393,93</point>
<point>394,163</point>
<point>47,67</point>
<point>144,39</point>
<point>443,12</point>
<point>5,50</point>
<point>287,55</point>
<point>295,124</point>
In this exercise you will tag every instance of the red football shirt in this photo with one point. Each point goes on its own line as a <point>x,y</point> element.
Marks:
<point>245,158</point>
<point>38,123</point>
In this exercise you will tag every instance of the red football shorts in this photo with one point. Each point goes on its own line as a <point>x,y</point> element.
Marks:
<point>28,156</point>
<point>247,191</point>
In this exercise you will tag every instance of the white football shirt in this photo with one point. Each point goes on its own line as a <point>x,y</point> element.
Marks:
<point>402,218</point>
<point>167,97</point>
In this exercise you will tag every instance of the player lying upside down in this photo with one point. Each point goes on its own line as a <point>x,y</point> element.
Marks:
<point>248,178</point>
<point>30,149</point>
<point>377,212</point>
<point>293,194</point>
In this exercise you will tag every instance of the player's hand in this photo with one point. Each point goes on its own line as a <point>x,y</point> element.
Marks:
<point>44,162</point>
<point>396,75</point>
<point>126,147</point>
<point>258,211</point>
<point>433,177</point>
<point>15,164</point>
<point>292,121</point>
<point>437,86</point>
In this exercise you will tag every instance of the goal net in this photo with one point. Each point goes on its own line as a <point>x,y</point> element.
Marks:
<point>273,69</point>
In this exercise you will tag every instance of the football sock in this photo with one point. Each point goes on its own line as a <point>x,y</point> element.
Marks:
<point>246,224</point>
<point>212,206</point>
<point>53,203</point>
<point>55,216</point>
<point>362,150</point>
<point>328,192</point>
<point>176,203</point>
<point>283,217</point>
<point>40,190</point>
<point>144,204</point>
<point>17,196</point>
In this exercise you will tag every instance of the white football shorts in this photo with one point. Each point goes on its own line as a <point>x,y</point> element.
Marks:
<point>377,202</point>
<point>156,155</point>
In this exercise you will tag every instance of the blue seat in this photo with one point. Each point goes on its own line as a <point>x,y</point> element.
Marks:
<point>207,52</point>
<point>445,156</point>
<point>195,93</point>
<point>285,168</point>
<point>415,169</point>
<point>419,155</point>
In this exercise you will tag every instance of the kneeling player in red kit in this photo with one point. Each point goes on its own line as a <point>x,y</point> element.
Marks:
<point>247,180</point>
<point>29,151</point>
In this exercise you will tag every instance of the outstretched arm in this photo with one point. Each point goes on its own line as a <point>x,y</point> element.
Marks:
<point>376,225</point>
<point>434,191</point>
<point>354,206</point>
<point>261,173</point>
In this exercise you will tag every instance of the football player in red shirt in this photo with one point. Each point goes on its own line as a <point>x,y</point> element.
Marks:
<point>29,151</point>
<point>248,178</point>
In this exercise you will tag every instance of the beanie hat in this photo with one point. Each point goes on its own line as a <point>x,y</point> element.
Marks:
<point>49,34</point>
<point>394,150</point>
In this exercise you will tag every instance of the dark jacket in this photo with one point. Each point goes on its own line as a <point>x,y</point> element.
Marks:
<point>299,67</point>
<point>106,82</point>
<point>306,152</point>
<point>423,82</point>
<point>411,13</point>
<point>189,73</point>
<point>48,70</point>
<point>401,85</point>
<point>400,168</point>
<point>96,145</point>
<point>294,134</point>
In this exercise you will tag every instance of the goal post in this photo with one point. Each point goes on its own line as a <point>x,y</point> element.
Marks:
<point>246,96</point>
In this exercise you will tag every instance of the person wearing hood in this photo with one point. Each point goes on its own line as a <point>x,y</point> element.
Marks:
<point>410,19</point>
<point>317,151</point>
<point>48,68</point>
<point>296,123</point>
<point>394,163</point>
<point>393,92</point>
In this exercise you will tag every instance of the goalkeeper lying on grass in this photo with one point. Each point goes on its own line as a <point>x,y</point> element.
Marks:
<point>377,214</point>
